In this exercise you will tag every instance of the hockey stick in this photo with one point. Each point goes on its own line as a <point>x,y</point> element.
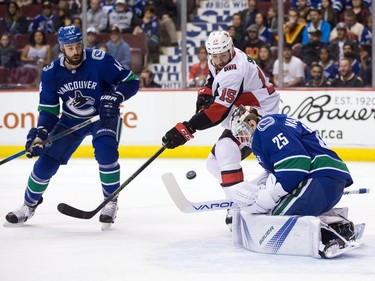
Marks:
<point>187,206</point>
<point>76,213</point>
<point>54,138</point>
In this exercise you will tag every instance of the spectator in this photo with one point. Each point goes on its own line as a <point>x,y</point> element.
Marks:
<point>248,15</point>
<point>118,48</point>
<point>303,8</point>
<point>108,6</point>
<point>92,42</point>
<point>199,71</point>
<point>252,43</point>
<point>311,51</point>
<point>166,11</point>
<point>360,11</point>
<point>330,68</point>
<point>272,19</point>
<point>293,69</point>
<point>96,17</point>
<point>366,36</point>
<point>37,53</point>
<point>8,53</point>
<point>293,30</point>
<point>346,76</point>
<point>265,34</point>
<point>352,55</point>
<point>366,65</point>
<point>336,46</point>
<point>45,21</point>
<point>150,26</point>
<point>75,7</point>
<point>14,22</point>
<point>316,23</point>
<point>146,80</point>
<point>318,80</point>
<point>238,31</point>
<point>122,16</point>
<point>62,17</point>
<point>266,61</point>
<point>77,22</point>
<point>329,14</point>
<point>232,31</point>
<point>355,28</point>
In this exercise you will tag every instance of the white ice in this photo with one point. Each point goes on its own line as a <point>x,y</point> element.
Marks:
<point>151,239</point>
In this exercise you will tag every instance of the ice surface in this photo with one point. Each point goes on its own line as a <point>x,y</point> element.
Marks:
<point>151,239</point>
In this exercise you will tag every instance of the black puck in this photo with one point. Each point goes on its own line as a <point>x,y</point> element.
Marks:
<point>191,175</point>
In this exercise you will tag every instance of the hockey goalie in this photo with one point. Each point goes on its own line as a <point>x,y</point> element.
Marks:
<point>289,209</point>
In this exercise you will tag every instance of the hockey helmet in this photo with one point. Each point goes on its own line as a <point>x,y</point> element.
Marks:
<point>219,42</point>
<point>240,123</point>
<point>69,35</point>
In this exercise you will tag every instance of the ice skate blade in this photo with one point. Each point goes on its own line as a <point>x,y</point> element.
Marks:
<point>334,251</point>
<point>106,226</point>
<point>8,224</point>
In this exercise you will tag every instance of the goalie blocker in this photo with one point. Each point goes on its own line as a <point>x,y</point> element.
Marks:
<point>327,236</point>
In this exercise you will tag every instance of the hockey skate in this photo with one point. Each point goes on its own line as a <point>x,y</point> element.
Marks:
<point>339,236</point>
<point>22,214</point>
<point>229,219</point>
<point>108,214</point>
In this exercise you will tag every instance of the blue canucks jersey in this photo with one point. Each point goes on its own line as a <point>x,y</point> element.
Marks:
<point>79,90</point>
<point>294,153</point>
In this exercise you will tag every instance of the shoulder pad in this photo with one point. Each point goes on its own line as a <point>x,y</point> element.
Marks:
<point>48,67</point>
<point>265,122</point>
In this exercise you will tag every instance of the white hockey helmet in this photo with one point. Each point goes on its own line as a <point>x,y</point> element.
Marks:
<point>219,42</point>
<point>240,126</point>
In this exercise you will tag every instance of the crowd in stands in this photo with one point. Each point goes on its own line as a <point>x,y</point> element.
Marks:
<point>321,36</point>
<point>157,19</point>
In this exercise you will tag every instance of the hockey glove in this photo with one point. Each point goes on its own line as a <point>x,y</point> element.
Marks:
<point>178,135</point>
<point>33,144</point>
<point>204,99</point>
<point>268,197</point>
<point>109,107</point>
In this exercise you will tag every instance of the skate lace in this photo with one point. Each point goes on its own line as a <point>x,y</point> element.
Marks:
<point>110,209</point>
<point>23,212</point>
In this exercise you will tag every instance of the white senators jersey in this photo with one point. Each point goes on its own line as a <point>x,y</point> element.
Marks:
<point>241,81</point>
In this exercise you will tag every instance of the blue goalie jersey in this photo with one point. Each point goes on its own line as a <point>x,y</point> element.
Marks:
<point>79,90</point>
<point>294,153</point>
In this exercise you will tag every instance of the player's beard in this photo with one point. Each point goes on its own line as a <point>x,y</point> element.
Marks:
<point>74,60</point>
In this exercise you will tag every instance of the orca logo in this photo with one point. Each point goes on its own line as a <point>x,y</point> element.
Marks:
<point>80,104</point>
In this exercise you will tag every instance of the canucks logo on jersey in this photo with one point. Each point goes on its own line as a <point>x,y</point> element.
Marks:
<point>80,104</point>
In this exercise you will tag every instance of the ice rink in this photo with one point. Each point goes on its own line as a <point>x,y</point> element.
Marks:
<point>151,239</point>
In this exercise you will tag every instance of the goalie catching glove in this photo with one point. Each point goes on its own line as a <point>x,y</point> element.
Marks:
<point>178,135</point>
<point>35,137</point>
<point>267,198</point>
<point>109,107</point>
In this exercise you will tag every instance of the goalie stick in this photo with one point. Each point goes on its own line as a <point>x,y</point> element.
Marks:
<point>187,206</point>
<point>79,214</point>
<point>54,138</point>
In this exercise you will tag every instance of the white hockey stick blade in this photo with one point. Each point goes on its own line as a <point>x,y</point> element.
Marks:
<point>356,191</point>
<point>185,205</point>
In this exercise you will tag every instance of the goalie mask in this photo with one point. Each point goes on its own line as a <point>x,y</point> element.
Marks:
<point>240,123</point>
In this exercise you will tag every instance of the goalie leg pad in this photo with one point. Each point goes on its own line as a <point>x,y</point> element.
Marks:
<point>288,235</point>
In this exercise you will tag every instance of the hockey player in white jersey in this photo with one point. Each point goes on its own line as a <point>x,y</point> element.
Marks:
<point>234,79</point>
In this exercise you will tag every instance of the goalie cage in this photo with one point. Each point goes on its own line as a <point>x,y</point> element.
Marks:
<point>297,235</point>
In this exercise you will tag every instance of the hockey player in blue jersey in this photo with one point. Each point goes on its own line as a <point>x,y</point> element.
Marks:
<point>303,176</point>
<point>86,83</point>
